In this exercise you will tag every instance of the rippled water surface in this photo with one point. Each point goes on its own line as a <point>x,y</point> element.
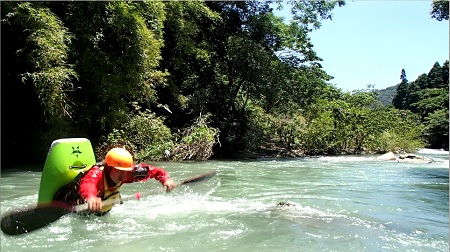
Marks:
<point>348,203</point>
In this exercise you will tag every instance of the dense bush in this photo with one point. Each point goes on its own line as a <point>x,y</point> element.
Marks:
<point>196,142</point>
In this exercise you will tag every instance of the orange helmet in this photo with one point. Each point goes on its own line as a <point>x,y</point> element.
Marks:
<point>120,159</point>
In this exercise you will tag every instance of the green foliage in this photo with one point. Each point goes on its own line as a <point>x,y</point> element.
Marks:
<point>285,129</point>
<point>355,124</point>
<point>117,51</point>
<point>310,13</point>
<point>437,128</point>
<point>149,136</point>
<point>439,9</point>
<point>116,138</point>
<point>289,129</point>
<point>244,53</point>
<point>145,135</point>
<point>425,96</point>
<point>131,73</point>
<point>197,142</point>
<point>395,130</point>
<point>260,130</point>
<point>189,57</point>
<point>318,139</point>
<point>389,141</point>
<point>431,100</point>
<point>47,46</point>
<point>399,99</point>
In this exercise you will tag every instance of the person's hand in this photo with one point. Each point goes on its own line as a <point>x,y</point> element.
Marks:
<point>94,204</point>
<point>169,185</point>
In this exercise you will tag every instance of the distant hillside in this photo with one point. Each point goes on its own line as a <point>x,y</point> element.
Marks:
<point>386,95</point>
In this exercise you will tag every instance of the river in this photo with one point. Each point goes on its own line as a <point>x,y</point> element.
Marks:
<point>343,203</point>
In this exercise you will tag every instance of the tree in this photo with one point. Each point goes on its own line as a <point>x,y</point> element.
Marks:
<point>86,62</point>
<point>403,76</point>
<point>438,129</point>
<point>224,56</point>
<point>117,51</point>
<point>412,92</point>
<point>45,55</point>
<point>399,98</point>
<point>36,78</point>
<point>439,9</point>
<point>435,77</point>
<point>427,97</point>
<point>445,76</point>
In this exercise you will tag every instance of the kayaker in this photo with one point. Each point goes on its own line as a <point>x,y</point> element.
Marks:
<point>104,180</point>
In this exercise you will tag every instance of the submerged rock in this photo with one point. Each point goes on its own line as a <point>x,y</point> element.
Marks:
<point>286,204</point>
<point>412,158</point>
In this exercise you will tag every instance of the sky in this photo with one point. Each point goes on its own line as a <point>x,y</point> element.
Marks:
<point>370,42</point>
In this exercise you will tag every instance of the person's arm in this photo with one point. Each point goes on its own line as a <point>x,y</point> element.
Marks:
<point>143,172</point>
<point>89,188</point>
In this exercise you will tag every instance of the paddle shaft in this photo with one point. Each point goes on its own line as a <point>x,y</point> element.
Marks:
<point>23,221</point>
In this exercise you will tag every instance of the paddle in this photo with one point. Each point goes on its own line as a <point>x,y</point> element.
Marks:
<point>26,220</point>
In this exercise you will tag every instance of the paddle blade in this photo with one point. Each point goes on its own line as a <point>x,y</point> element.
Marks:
<point>24,221</point>
<point>198,178</point>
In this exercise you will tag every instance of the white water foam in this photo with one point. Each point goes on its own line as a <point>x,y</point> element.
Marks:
<point>347,158</point>
<point>433,151</point>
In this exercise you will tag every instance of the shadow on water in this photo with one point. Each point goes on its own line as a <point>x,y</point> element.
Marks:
<point>429,173</point>
<point>429,178</point>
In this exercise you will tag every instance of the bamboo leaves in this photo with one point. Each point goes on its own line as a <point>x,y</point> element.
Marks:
<point>47,52</point>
